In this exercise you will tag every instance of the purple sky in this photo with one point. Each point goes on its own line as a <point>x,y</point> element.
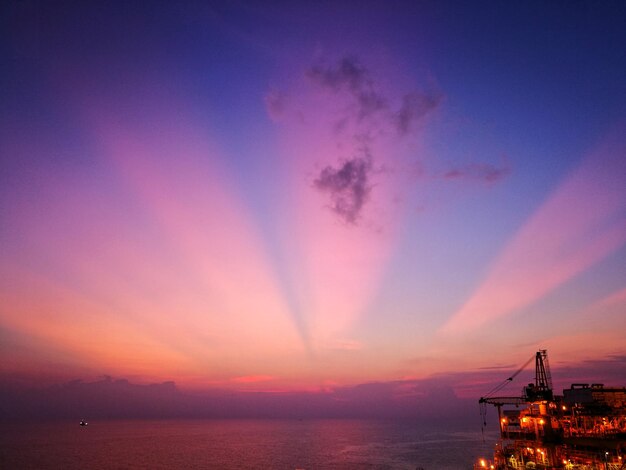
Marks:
<point>294,200</point>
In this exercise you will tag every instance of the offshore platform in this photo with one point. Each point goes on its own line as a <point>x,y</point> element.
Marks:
<point>583,429</point>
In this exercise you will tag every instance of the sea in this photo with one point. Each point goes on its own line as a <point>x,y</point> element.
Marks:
<point>240,444</point>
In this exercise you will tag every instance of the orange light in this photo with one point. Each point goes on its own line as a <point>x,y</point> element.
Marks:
<point>541,421</point>
<point>483,463</point>
<point>503,420</point>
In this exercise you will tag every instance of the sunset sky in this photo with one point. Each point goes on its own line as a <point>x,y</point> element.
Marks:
<point>277,196</point>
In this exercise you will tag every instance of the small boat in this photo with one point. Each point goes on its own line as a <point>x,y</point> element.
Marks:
<point>83,422</point>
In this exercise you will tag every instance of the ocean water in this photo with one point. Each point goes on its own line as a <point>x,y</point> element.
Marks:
<point>239,444</point>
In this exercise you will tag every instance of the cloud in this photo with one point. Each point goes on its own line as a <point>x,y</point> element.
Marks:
<point>483,172</point>
<point>351,76</point>
<point>246,379</point>
<point>347,73</point>
<point>609,371</point>
<point>104,398</point>
<point>348,105</point>
<point>610,362</point>
<point>119,398</point>
<point>367,117</point>
<point>506,367</point>
<point>414,107</point>
<point>448,398</point>
<point>348,186</point>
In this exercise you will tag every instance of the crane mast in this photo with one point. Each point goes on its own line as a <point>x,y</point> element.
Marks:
<point>542,388</point>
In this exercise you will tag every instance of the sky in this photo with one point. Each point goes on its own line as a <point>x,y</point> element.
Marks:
<point>295,198</point>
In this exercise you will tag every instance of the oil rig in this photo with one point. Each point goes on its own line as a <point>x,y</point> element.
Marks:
<point>583,429</point>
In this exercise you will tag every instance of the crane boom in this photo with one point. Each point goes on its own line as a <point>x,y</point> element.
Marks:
<point>500,386</point>
<point>499,401</point>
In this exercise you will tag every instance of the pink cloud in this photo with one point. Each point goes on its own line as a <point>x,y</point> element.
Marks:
<point>247,379</point>
<point>482,172</point>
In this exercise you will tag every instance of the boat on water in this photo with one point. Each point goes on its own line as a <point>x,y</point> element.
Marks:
<point>582,429</point>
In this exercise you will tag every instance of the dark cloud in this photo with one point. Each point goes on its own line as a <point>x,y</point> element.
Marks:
<point>449,397</point>
<point>118,398</point>
<point>618,358</point>
<point>478,172</point>
<point>369,102</point>
<point>348,186</point>
<point>507,367</point>
<point>368,117</point>
<point>351,76</point>
<point>610,371</point>
<point>348,72</point>
<point>107,397</point>
<point>414,107</point>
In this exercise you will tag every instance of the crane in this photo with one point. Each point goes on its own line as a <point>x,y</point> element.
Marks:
<point>539,391</point>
